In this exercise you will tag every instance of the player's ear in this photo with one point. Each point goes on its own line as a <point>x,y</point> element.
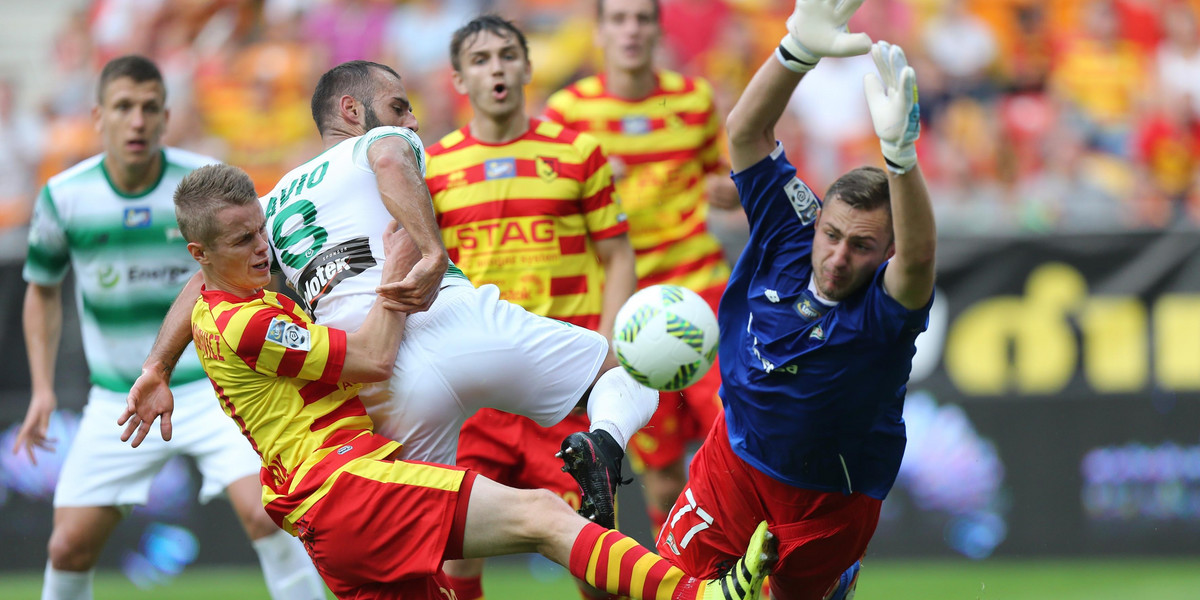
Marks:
<point>527,74</point>
<point>459,85</point>
<point>96,113</point>
<point>196,249</point>
<point>349,108</point>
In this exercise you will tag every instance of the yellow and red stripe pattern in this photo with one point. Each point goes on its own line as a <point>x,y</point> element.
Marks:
<point>277,375</point>
<point>611,561</point>
<point>668,142</point>
<point>523,216</point>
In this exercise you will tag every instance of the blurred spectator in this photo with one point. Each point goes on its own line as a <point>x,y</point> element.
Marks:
<point>962,47</point>
<point>20,152</point>
<point>1100,79</point>
<point>1177,58</point>
<point>1021,98</point>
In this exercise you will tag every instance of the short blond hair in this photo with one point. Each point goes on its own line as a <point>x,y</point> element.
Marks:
<point>203,193</point>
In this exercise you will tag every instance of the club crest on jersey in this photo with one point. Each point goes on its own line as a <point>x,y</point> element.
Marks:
<point>635,125</point>
<point>817,334</point>
<point>500,168</point>
<point>804,202</point>
<point>547,168</point>
<point>288,334</point>
<point>137,217</point>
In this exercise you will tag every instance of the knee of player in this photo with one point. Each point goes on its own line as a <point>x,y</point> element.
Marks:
<point>72,553</point>
<point>258,524</point>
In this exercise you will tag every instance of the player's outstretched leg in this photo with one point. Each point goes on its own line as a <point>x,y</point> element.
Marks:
<point>593,458</point>
<point>745,579</point>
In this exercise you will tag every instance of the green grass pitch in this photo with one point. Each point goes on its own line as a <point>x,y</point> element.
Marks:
<point>999,579</point>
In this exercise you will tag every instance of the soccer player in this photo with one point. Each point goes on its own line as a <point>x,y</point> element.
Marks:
<point>470,350</point>
<point>528,206</point>
<point>111,218</point>
<point>376,526</point>
<point>660,130</point>
<point>817,331</point>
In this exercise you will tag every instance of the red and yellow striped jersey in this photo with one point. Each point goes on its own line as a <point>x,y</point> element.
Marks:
<point>523,215</point>
<point>277,375</point>
<point>668,143</point>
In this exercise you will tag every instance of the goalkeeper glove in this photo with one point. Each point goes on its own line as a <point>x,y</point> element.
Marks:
<point>893,105</point>
<point>817,28</point>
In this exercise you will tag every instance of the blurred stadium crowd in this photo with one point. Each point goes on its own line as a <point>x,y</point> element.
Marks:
<point>1040,115</point>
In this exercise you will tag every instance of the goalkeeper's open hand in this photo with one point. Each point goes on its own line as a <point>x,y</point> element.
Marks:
<point>892,99</point>
<point>817,28</point>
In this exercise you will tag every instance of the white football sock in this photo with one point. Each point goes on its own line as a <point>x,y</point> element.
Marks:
<point>67,585</point>
<point>620,405</point>
<point>287,568</point>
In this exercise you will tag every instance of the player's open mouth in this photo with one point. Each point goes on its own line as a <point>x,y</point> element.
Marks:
<point>266,264</point>
<point>136,145</point>
<point>500,91</point>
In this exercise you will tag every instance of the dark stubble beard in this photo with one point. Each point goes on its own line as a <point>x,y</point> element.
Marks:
<point>370,119</point>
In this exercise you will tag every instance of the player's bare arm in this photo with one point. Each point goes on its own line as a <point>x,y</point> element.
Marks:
<point>620,278</point>
<point>817,28</point>
<point>42,321</point>
<point>402,188</point>
<point>371,349</point>
<point>892,99</point>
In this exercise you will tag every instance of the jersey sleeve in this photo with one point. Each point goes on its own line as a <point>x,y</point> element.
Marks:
<point>279,343</point>
<point>890,318</point>
<point>601,209</point>
<point>364,143</point>
<point>775,200</point>
<point>49,255</point>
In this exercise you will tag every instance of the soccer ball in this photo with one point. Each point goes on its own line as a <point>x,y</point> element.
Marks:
<point>666,337</point>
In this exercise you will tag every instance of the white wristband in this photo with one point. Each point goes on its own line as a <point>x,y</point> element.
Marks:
<point>794,57</point>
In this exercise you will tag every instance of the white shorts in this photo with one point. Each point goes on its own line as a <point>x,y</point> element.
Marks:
<point>472,350</point>
<point>101,470</point>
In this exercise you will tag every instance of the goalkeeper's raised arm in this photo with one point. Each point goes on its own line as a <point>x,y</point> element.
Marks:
<point>817,28</point>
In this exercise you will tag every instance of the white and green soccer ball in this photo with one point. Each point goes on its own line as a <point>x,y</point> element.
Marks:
<point>666,337</point>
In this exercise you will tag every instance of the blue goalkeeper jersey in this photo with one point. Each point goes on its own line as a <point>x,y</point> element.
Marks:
<point>813,393</point>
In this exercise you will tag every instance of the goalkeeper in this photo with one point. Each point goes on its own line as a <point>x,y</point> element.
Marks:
<point>818,325</point>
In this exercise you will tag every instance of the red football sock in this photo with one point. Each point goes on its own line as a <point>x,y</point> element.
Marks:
<point>613,562</point>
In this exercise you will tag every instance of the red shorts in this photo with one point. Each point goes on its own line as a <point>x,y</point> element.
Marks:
<point>681,416</point>
<point>517,452</point>
<point>385,526</point>
<point>820,534</point>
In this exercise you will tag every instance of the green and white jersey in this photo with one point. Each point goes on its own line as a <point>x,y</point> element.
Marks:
<point>325,221</point>
<point>129,258</point>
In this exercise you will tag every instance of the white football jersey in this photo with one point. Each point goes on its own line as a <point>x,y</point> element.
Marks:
<point>325,222</point>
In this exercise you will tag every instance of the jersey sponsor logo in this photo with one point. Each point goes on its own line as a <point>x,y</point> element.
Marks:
<point>332,267</point>
<point>635,125</point>
<point>547,168</point>
<point>107,276</point>
<point>806,310</point>
<point>288,334</point>
<point>804,202</point>
<point>170,275</point>
<point>137,217</point>
<point>500,168</point>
